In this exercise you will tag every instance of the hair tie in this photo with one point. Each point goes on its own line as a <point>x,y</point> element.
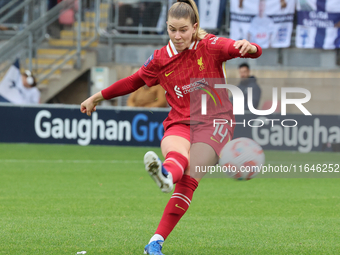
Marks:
<point>184,1</point>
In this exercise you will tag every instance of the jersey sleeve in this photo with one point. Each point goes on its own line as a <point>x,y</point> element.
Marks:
<point>149,71</point>
<point>223,49</point>
<point>123,86</point>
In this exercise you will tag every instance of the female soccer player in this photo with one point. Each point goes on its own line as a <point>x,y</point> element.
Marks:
<point>190,53</point>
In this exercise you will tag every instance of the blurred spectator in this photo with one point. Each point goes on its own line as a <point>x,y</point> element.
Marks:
<point>148,97</point>
<point>248,81</point>
<point>19,88</point>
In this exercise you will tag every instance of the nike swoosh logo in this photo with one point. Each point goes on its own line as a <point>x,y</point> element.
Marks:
<point>214,139</point>
<point>167,74</point>
<point>179,207</point>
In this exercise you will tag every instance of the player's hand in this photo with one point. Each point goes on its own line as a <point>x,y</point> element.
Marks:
<point>245,47</point>
<point>89,105</point>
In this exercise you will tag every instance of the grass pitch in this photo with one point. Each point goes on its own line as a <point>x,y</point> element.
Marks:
<point>57,199</point>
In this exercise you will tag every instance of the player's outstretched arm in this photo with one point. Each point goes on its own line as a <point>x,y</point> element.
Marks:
<point>119,88</point>
<point>241,49</point>
<point>89,105</point>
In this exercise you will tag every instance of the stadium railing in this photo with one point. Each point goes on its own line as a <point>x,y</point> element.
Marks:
<point>143,21</point>
<point>24,43</point>
<point>15,15</point>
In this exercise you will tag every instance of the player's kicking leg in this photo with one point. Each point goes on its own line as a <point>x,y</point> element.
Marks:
<point>177,206</point>
<point>181,199</point>
<point>174,149</point>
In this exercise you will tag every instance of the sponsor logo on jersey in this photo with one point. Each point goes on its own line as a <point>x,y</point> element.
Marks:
<point>178,92</point>
<point>194,86</point>
<point>200,63</point>
<point>167,74</point>
<point>148,61</point>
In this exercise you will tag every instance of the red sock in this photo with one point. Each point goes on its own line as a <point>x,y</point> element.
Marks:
<point>175,163</point>
<point>177,205</point>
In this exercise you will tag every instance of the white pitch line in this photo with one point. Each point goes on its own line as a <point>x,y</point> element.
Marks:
<point>76,161</point>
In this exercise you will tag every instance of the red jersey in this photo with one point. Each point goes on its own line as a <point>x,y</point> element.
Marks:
<point>180,74</point>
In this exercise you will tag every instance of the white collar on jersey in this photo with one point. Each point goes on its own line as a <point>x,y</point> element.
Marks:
<point>172,49</point>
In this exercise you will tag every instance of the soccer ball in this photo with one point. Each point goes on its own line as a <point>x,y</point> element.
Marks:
<point>242,158</point>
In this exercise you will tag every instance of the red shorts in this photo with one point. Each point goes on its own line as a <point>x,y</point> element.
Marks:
<point>216,137</point>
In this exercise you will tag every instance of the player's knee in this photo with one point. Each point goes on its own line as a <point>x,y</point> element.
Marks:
<point>176,150</point>
<point>171,144</point>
